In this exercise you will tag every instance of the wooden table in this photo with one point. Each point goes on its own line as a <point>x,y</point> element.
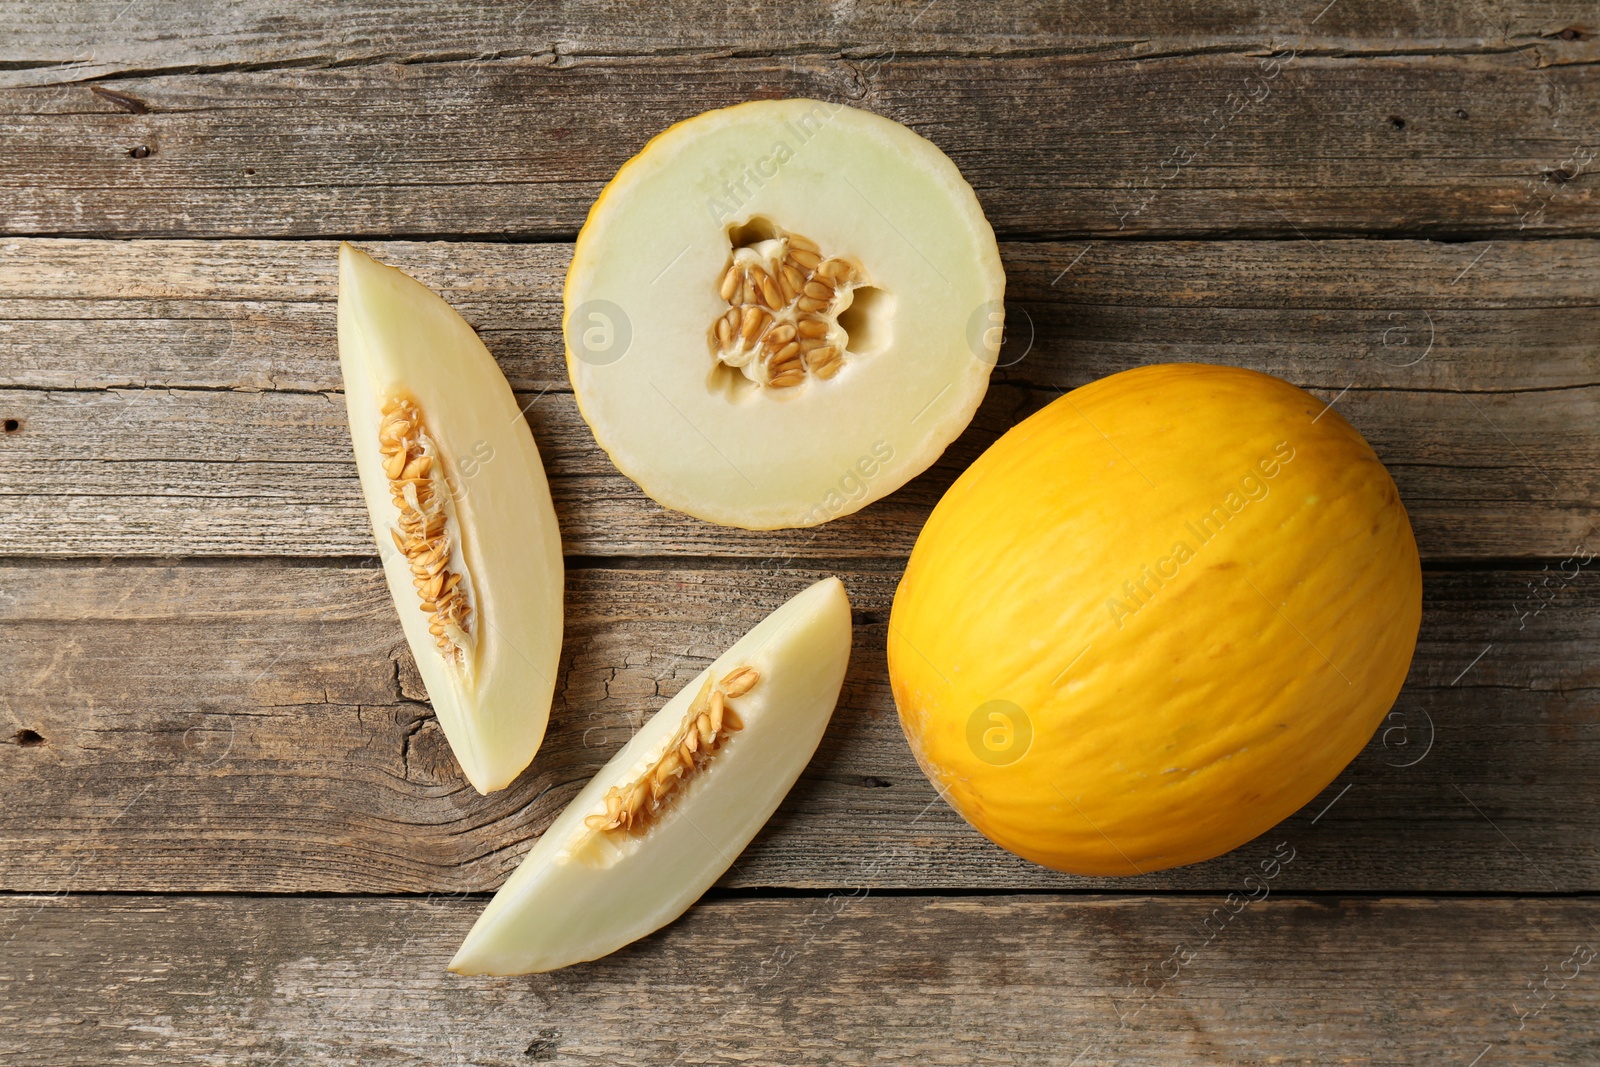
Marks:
<point>232,832</point>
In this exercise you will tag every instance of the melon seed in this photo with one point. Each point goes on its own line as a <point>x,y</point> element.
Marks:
<point>422,535</point>
<point>778,292</point>
<point>632,807</point>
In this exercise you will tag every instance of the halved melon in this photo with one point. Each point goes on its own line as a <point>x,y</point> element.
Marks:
<point>669,813</point>
<point>781,311</point>
<point>461,511</point>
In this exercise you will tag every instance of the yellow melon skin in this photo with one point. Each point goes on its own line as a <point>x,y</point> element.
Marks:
<point>1155,619</point>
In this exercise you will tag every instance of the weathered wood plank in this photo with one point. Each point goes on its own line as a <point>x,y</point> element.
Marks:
<point>239,314</point>
<point>1055,145</point>
<point>97,38</point>
<point>157,472</point>
<point>837,980</point>
<point>1471,368</point>
<point>258,726</point>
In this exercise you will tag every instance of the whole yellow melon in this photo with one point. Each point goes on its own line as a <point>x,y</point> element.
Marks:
<point>1154,619</point>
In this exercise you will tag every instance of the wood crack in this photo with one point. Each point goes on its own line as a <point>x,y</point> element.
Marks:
<point>567,53</point>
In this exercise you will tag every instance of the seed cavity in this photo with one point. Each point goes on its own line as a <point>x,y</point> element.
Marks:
<point>633,807</point>
<point>779,288</point>
<point>424,528</point>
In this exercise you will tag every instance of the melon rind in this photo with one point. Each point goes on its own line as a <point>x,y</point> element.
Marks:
<point>1191,593</point>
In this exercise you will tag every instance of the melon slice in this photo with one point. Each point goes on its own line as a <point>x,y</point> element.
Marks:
<point>781,311</point>
<point>670,812</point>
<point>461,511</point>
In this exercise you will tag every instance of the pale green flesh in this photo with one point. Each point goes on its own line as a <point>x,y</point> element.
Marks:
<point>655,247</point>
<point>396,335</point>
<point>581,894</point>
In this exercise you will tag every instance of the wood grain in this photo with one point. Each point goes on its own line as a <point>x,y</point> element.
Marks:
<point>179,398</point>
<point>97,38</point>
<point>239,726</point>
<point>224,704</point>
<point>258,315</point>
<point>1056,145</point>
<point>833,980</point>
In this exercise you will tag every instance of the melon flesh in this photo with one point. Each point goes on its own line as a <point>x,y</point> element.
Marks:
<point>582,893</point>
<point>399,339</point>
<point>918,317</point>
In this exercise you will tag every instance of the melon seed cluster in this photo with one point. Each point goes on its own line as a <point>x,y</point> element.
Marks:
<point>423,534</point>
<point>782,319</point>
<point>706,726</point>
